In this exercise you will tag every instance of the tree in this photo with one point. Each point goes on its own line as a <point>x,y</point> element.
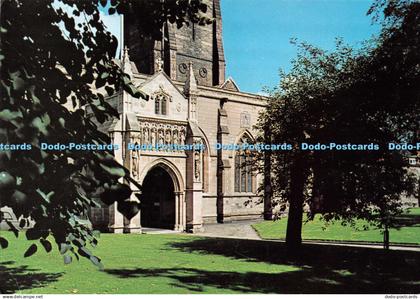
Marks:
<point>348,96</point>
<point>43,69</point>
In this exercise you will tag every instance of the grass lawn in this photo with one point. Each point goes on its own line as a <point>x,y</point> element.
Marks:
<point>157,264</point>
<point>408,231</point>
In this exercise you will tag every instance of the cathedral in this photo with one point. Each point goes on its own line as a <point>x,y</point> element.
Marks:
<point>191,102</point>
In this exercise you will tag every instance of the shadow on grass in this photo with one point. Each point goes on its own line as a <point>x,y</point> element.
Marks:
<point>13,279</point>
<point>320,269</point>
<point>408,220</point>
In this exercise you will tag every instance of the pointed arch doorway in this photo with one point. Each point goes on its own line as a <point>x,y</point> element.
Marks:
<point>161,202</point>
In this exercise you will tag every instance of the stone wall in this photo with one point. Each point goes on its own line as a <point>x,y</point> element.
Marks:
<point>236,205</point>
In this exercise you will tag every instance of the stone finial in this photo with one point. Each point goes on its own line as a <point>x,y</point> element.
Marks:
<point>190,86</point>
<point>126,62</point>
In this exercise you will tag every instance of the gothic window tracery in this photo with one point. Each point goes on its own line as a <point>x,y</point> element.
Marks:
<point>162,100</point>
<point>244,175</point>
<point>161,104</point>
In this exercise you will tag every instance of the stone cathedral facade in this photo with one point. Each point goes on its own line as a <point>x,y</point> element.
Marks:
<point>191,103</point>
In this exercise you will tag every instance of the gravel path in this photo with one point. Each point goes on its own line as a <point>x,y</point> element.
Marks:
<point>237,229</point>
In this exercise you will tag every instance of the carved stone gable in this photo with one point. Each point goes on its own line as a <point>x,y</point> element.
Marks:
<point>230,84</point>
<point>166,100</point>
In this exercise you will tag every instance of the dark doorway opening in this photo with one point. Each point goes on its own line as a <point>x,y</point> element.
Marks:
<point>158,200</point>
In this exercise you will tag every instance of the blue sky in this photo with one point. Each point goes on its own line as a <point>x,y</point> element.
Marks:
<point>257,33</point>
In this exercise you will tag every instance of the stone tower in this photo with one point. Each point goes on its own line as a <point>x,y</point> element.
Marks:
<point>201,45</point>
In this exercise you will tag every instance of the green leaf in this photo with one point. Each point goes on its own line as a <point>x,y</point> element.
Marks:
<point>97,262</point>
<point>17,82</point>
<point>104,75</point>
<point>94,243</point>
<point>42,123</point>
<point>113,171</point>
<point>109,90</point>
<point>117,192</point>
<point>96,233</point>
<point>64,247</point>
<point>3,243</point>
<point>98,105</point>
<point>6,87</point>
<point>7,115</point>
<point>67,259</point>
<point>33,234</point>
<point>13,228</point>
<point>31,250</point>
<point>46,244</point>
<point>126,79</point>
<point>131,89</point>
<point>83,251</point>
<point>46,197</point>
<point>72,222</point>
<point>134,92</point>
<point>99,82</point>
<point>128,208</point>
<point>22,223</point>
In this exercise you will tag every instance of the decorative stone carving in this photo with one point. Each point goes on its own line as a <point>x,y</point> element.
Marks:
<point>197,165</point>
<point>168,137</point>
<point>159,64</point>
<point>183,68</point>
<point>182,137</point>
<point>175,137</point>
<point>245,120</point>
<point>162,133</point>
<point>203,72</point>
<point>161,137</point>
<point>146,139</point>
<point>135,163</point>
<point>197,160</point>
<point>153,137</point>
<point>135,138</point>
<point>193,108</point>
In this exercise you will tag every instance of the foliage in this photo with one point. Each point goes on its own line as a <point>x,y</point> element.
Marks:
<point>346,96</point>
<point>48,75</point>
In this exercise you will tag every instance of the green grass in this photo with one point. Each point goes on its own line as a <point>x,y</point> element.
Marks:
<point>408,231</point>
<point>150,255</point>
<point>162,264</point>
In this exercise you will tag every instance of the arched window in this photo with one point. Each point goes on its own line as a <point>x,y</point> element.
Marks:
<point>161,104</point>
<point>164,103</point>
<point>244,176</point>
<point>193,31</point>
<point>157,105</point>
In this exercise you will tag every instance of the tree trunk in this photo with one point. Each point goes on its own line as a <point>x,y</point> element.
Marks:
<point>268,191</point>
<point>294,221</point>
<point>386,238</point>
